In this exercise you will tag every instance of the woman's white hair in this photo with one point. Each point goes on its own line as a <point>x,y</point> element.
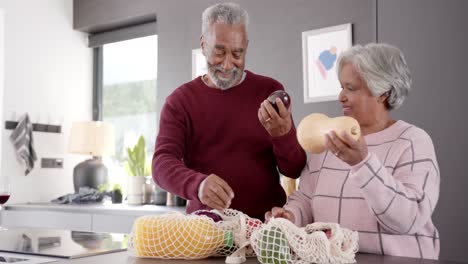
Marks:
<point>228,13</point>
<point>383,68</point>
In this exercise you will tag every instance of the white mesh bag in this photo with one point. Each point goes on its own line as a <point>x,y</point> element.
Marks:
<point>281,242</point>
<point>195,236</point>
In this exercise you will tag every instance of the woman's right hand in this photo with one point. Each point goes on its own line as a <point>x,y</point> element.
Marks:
<point>279,212</point>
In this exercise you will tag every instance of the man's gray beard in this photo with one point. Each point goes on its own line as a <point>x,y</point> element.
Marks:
<point>224,84</point>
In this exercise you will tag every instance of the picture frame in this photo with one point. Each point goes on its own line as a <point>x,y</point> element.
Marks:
<point>320,50</point>
<point>199,66</point>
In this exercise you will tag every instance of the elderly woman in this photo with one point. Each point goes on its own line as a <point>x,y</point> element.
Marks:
<point>385,185</point>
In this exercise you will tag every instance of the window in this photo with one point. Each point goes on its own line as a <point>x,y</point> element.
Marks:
<point>127,91</point>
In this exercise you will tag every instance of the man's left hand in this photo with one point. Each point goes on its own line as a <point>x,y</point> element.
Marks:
<point>347,148</point>
<point>276,124</point>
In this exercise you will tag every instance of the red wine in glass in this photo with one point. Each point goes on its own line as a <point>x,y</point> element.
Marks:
<point>4,198</point>
<point>4,194</point>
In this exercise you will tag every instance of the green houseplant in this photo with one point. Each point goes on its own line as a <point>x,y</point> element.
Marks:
<point>137,164</point>
<point>116,193</point>
<point>137,167</point>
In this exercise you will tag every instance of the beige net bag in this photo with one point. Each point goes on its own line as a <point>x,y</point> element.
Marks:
<point>281,242</point>
<point>195,236</point>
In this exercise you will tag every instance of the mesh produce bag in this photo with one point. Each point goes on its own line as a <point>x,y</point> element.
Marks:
<point>281,242</point>
<point>195,236</point>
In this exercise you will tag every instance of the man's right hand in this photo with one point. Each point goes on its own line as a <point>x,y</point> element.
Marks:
<point>215,192</point>
<point>279,212</point>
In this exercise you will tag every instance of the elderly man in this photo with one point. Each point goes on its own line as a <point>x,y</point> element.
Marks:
<point>220,143</point>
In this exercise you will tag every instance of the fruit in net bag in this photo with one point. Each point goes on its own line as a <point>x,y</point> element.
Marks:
<point>176,236</point>
<point>312,129</point>
<point>273,246</point>
<point>214,216</point>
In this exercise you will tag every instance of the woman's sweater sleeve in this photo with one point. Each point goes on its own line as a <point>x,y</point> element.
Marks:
<point>402,197</point>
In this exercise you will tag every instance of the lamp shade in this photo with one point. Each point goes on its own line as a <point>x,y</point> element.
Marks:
<point>94,138</point>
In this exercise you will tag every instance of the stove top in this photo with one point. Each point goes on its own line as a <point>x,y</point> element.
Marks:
<point>60,243</point>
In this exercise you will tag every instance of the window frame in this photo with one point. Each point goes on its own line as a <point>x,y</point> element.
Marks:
<point>98,67</point>
<point>147,27</point>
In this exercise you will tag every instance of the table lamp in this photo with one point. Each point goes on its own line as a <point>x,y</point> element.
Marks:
<point>93,138</point>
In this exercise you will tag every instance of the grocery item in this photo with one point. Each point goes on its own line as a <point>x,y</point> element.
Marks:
<point>284,96</point>
<point>176,236</point>
<point>280,242</point>
<point>312,129</point>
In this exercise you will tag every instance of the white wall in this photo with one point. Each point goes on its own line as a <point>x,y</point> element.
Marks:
<point>2,73</point>
<point>48,74</point>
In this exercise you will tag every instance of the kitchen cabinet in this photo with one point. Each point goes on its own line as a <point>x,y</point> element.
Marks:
<point>112,223</point>
<point>46,219</point>
<point>97,218</point>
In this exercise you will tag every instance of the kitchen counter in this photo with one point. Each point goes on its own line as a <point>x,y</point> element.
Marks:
<point>123,258</point>
<point>133,211</point>
<point>104,208</point>
<point>63,243</point>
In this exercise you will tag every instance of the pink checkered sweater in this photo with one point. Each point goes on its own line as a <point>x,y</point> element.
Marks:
<point>388,198</point>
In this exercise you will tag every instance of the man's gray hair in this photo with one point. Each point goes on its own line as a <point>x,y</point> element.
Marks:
<point>228,13</point>
<point>383,68</point>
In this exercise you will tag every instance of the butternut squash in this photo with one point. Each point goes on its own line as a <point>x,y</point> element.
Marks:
<point>175,236</point>
<point>312,129</point>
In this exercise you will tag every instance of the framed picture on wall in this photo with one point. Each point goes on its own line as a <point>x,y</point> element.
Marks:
<point>198,63</point>
<point>320,50</point>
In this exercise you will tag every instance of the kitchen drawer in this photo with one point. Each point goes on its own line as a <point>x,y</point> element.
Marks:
<point>113,223</point>
<point>47,219</point>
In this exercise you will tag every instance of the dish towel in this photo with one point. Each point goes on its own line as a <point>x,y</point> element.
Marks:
<point>22,140</point>
<point>84,195</point>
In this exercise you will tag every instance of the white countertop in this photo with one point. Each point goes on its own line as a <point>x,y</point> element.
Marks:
<point>104,208</point>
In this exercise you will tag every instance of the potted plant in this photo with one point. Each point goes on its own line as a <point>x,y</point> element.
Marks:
<point>116,193</point>
<point>137,167</point>
<point>104,188</point>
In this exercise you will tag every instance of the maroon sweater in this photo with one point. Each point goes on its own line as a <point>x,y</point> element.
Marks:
<point>205,130</point>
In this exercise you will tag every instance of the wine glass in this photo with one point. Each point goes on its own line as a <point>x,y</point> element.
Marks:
<point>4,194</point>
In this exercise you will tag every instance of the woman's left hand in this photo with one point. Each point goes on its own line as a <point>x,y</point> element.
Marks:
<point>347,148</point>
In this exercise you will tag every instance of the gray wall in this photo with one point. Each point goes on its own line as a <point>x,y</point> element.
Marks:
<point>430,33</point>
<point>275,27</point>
<point>433,36</point>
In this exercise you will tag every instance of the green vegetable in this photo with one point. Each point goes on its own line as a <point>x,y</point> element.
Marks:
<point>273,247</point>
<point>229,239</point>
